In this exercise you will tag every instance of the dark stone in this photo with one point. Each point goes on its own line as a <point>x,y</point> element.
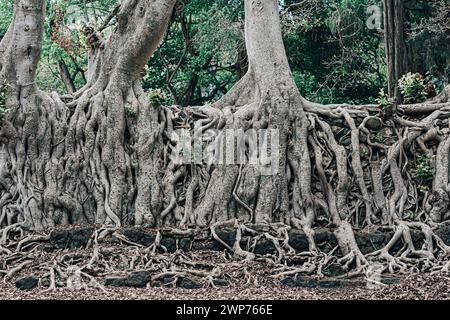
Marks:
<point>418,238</point>
<point>264,246</point>
<point>187,283</point>
<point>160,282</point>
<point>379,240</point>
<point>156,284</point>
<point>389,280</point>
<point>169,243</point>
<point>444,234</point>
<point>80,237</point>
<point>354,282</point>
<point>306,282</point>
<point>363,242</point>
<point>326,239</point>
<point>75,238</point>
<point>140,236</point>
<point>227,235</point>
<point>346,141</point>
<point>298,241</point>
<point>115,282</point>
<point>370,242</point>
<point>221,282</point>
<point>331,283</point>
<point>333,270</point>
<point>301,282</point>
<point>374,123</point>
<point>27,283</point>
<point>59,239</point>
<point>138,279</point>
<point>185,244</point>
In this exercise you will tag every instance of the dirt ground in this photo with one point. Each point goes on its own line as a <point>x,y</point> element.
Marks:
<point>261,286</point>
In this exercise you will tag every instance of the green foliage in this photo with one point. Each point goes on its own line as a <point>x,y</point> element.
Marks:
<point>384,101</point>
<point>334,57</point>
<point>306,81</point>
<point>412,88</point>
<point>3,109</point>
<point>130,110</point>
<point>156,97</point>
<point>425,168</point>
<point>330,40</point>
<point>198,60</point>
<point>6,13</point>
<point>428,38</point>
<point>379,137</point>
<point>65,42</point>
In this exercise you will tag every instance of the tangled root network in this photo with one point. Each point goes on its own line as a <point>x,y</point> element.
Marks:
<point>109,156</point>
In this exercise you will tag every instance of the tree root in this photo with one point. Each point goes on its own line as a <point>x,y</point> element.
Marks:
<point>82,270</point>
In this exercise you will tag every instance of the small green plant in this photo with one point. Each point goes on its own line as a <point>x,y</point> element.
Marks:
<point>364,152</point>
<point>157,97</point>
<point>413,88</point>
<point>145,74</point>
<point>384,101</point>
<point>130,110</point>
<point>379,137</point>
<point>3,109</point>
<point>425,167</point>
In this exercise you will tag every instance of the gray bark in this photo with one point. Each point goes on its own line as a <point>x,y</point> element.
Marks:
<point>66,77</point>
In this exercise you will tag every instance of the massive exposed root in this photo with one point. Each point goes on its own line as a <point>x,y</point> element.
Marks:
<point>106,155</point>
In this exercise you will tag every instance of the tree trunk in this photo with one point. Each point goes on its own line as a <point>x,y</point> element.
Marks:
<point>66,77</point>
<point>396,56</point>
<point>71,162</point>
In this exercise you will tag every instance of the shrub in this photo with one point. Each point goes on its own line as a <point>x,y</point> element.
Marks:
<point>425,168</point>
<point>384,101</point>
<point>413,88</point>
<point>157,97</point>
<point>379,137</point>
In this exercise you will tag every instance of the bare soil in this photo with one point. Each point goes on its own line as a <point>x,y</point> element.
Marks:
<point>256,284</point>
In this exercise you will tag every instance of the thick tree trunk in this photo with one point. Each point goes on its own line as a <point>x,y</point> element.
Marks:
<point>396,55</point>
<point>268,92</point>
<point>71,163</point>
<point>22,165</point>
